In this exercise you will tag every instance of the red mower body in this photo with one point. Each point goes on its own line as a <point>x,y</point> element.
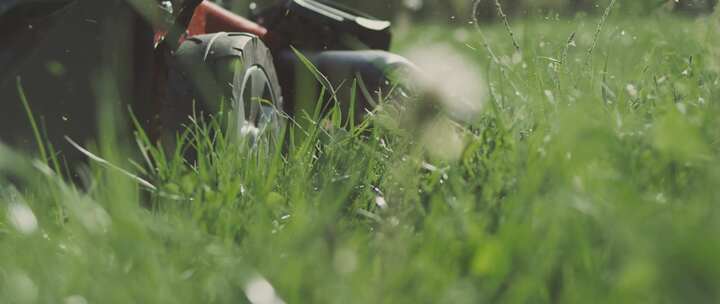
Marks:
<point>212,18</point>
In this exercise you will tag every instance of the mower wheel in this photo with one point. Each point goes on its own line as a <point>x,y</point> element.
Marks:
<point>231,73</point>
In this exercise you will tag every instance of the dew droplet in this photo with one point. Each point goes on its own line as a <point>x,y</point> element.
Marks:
<point>22,218</point>
<point>380,202</point>
<point>414,5</point>
<point>75,299</point>
<point>259,291</point>
<point>21,288</point>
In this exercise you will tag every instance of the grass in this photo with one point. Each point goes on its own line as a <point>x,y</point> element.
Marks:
<point>586,179</point>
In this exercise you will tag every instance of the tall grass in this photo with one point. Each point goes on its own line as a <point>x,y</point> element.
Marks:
<point>602,189</point>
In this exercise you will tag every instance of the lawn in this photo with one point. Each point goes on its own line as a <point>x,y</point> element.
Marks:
<point>590,174</point>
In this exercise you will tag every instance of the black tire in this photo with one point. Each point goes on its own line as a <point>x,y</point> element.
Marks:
<point>233,73</point>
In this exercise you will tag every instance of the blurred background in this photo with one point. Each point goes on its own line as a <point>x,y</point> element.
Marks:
<point>485,11</point>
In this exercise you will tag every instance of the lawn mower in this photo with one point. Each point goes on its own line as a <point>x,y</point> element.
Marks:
<point>170,59</point>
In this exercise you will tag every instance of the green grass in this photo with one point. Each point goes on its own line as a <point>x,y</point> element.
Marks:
<point>586,179</point>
